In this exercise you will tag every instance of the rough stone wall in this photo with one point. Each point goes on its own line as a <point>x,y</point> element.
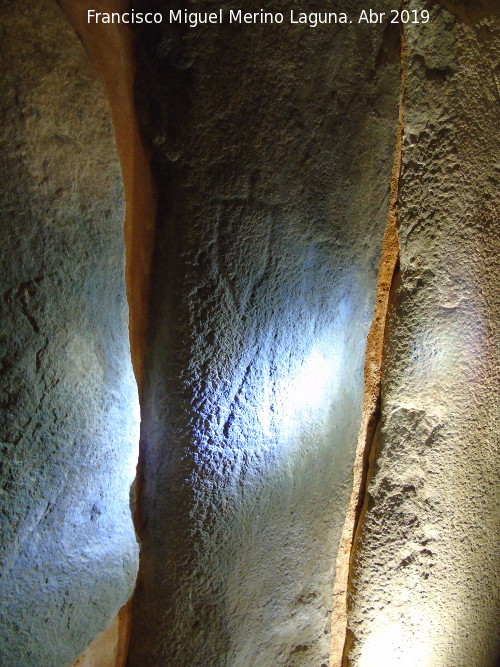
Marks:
<point>426,571</point>
<point>110,49</point>
<point>69,428</point>
<point>273,149</point>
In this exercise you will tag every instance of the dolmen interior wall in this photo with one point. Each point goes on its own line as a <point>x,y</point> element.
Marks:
<point>207,223</point>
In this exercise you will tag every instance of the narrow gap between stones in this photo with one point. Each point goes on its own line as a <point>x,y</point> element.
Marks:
<point>113,59</point>
<point>112,54</point>
<point>370,419</point>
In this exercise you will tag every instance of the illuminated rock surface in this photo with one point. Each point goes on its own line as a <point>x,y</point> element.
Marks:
<point>426,584</point>
<point>69,405</point>
<point>272,149</point>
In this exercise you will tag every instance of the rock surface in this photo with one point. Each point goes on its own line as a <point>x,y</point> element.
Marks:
<point>69,426</point>
<point>272,150</point>
<point>426,576</point>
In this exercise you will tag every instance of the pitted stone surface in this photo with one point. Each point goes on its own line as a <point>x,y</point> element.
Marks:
<point>69,424</point>
<point>272,148</point>
<point>426,575</point>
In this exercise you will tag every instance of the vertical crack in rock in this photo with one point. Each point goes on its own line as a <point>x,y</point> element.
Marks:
<point>424,579</point>
<point>110,48</point>
<point>365,453</point>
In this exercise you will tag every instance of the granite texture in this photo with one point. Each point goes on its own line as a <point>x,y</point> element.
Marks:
<point>426,574</point>
<point>272,151</point>
<point>69,423</point>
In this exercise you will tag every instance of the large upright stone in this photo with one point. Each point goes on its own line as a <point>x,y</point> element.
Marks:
<point>69,403</point>
<point>272,148</point>
<point>426,577</point>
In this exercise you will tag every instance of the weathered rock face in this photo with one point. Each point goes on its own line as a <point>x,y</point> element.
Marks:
<point>273,149</point>
<point>69,403</point>
<point>426,584</point>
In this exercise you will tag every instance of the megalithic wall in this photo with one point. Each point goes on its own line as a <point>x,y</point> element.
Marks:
<point>425,577</point>
<point>272,150</point>
<point>69,424</point>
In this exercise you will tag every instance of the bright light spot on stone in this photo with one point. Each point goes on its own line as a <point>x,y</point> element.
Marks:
<point>306,391</point>
<point>134,454</point>
<point>394,645</point>
<point>304,394</point>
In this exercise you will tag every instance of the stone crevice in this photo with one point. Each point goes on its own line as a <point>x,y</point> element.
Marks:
<point>111,51</point>
<point>365,454</point>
